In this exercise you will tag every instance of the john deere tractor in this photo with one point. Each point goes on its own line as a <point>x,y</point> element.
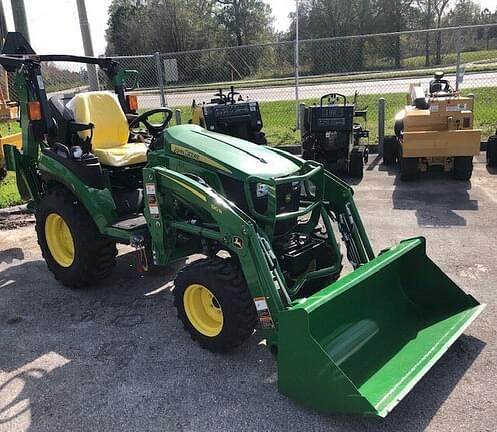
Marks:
<point>230,114</point>
<point>434,130</point>
<point>264,221</point>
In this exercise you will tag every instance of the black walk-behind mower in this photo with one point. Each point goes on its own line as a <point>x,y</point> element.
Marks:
<point>230,114</point>
<point>331,136</point>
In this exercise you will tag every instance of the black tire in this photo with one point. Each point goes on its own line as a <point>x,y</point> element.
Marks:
<point>463,167</point>
<point>356,165</point>
<point>492,151</point>
<point>226,282</point>
<point>390,150</point>
<point>94,254</point>
<point>308,155</point>
<point>408,169</point>
<point>3,173</point>
<point>398,127</point>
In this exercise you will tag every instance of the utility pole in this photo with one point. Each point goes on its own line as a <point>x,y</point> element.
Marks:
<point>20,21</point>
<point>4,80</point>
<point>87,45</point>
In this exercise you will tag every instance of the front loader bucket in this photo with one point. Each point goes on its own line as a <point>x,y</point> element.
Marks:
<point>362,343</point>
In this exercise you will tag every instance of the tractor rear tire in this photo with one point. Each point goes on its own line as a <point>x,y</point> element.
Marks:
<point>214,303</point>
<point>492,151</point>
<point>463,167</point>
<point>356,165</point>
<point>3,173</point>
<point>73,248</point>
<point>408,169</point>
<point>390,150</point>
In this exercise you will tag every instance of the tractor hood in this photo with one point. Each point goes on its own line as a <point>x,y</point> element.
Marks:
<point>226,153</point>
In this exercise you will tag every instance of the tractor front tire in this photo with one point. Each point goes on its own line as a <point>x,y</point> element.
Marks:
<point>3,173</point>
<point>492,151</point>
<point>390,150</point>
<point>463,167</point>
<point>73,248</point>
<point>214,304</point>
<point>408,169</point>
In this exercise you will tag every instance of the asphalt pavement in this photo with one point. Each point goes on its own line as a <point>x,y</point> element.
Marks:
<point>116,358</point>
<point>271,94</point>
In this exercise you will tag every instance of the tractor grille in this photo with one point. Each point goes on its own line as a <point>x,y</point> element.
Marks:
<point>287,200</point>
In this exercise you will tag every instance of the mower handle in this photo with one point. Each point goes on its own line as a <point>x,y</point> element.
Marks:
<point>153,128</point>
<point>333,96</point>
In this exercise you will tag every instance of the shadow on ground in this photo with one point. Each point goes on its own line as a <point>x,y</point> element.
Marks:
<point>115,357</point>
<point>435,197</point>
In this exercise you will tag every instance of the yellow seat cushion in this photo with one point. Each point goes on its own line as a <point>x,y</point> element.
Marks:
<point>128,154</point>
<point>111,131</point>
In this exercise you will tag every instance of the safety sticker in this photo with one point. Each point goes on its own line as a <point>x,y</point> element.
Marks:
<point>457,108</point>
<point>263,312</point>
<point>150,187</point>
<point>154,210</point>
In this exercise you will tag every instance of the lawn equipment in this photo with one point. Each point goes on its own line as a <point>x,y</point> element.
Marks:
<point>230,114</point>
<point>264,220</point>
<point>332,137</point>
<point>434,130</point>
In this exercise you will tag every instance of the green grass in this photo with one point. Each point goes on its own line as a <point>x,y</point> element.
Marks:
<point>451,58</point>
<point>9,128</point>
<point>411,67</point>
<point>279,117</point>
<point>8,191</point>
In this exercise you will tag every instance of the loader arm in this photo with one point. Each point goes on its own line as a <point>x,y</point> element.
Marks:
<point>338,199</point>
<point>232,229</point>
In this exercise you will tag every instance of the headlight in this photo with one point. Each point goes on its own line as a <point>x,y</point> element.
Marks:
<point>261,190</point>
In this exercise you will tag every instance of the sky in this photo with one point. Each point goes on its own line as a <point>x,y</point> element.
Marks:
<point>54,24</point>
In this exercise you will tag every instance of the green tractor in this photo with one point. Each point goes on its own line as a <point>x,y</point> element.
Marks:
<point>265,221</point>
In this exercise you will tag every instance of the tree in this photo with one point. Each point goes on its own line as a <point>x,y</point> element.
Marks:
<point>395,16</point>
<point>244,21</point>
<point>439,6</point>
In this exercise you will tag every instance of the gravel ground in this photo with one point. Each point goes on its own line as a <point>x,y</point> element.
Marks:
<point>115,357</point>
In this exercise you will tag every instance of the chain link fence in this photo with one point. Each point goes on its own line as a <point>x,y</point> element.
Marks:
<point>363,68</point>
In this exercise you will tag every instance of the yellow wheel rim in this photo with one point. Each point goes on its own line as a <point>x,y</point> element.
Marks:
<point>59,240</point>
<point>203,310</point>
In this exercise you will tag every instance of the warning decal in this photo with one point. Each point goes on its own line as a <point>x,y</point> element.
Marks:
<point>263,312</point>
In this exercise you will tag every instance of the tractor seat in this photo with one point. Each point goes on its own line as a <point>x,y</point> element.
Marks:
<point>111,131</point>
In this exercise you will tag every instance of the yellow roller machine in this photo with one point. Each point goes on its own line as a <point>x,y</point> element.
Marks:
<point>434,130</point>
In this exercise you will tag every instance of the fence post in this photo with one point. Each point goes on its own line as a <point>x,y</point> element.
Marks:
<point>301,118</point>
<point>178,116</point>
<point>297,66</point>
<point>381,125</point>
<point>160,79</point>
<point>458,62</point>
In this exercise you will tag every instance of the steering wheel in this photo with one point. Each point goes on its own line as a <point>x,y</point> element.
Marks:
<point>155,129</point>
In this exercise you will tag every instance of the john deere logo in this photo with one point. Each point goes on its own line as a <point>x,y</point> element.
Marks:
<point>238,242</point>
<point>288,197</point>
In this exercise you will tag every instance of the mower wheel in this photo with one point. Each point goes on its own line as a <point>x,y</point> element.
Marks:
<point>390,150</point>
<point>492,151</point>
<point>73,248</point>
<point>214,304</point>
<point>463,167</point>
<point>408,169</point>
<point>356,164</point>
<point>3,173</point>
